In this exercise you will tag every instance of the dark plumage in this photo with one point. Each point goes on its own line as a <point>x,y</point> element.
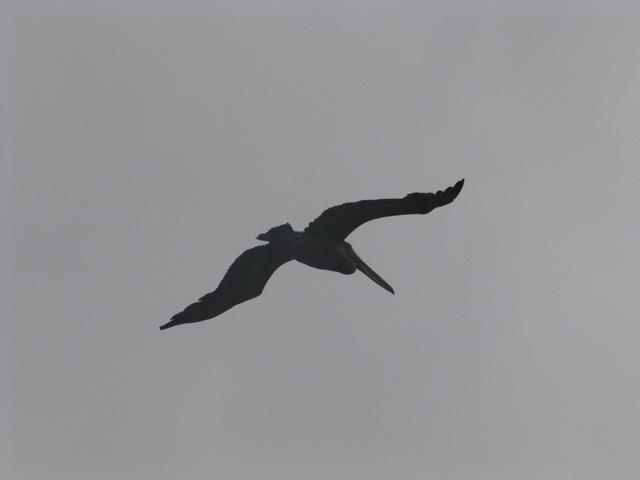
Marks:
<point>321,245</point>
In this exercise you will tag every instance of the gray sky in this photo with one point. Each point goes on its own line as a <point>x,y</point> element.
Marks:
<point>144,145</point>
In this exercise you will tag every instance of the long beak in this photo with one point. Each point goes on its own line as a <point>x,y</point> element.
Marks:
<point>368,271</point>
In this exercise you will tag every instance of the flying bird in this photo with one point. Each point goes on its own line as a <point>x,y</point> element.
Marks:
<point>321,245</point>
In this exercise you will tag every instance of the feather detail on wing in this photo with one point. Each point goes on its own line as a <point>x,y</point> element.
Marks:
<point>338,222</point>
<point>244,280</point>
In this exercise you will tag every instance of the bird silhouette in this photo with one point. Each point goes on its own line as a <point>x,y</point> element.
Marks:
<point>321,245</point>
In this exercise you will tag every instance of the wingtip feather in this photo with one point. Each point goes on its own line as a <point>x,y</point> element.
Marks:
<point>452,192</point>
<point>166,325</point>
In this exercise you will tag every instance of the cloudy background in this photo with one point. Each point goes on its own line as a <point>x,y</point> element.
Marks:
<point>145,144</point>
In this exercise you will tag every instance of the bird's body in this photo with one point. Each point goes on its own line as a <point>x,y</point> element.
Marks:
<point>321,245</point>
<point>317,252</point>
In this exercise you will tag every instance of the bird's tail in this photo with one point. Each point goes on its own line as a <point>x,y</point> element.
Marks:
<point>275,232</point>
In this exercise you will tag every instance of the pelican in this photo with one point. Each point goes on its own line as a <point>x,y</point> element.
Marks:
<point>321,245</point>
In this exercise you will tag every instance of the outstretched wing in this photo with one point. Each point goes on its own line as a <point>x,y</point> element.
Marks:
<point>244,280</point>
<point>338,222</point>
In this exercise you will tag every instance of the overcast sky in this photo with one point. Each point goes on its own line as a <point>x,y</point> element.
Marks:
<point>145,145</point>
